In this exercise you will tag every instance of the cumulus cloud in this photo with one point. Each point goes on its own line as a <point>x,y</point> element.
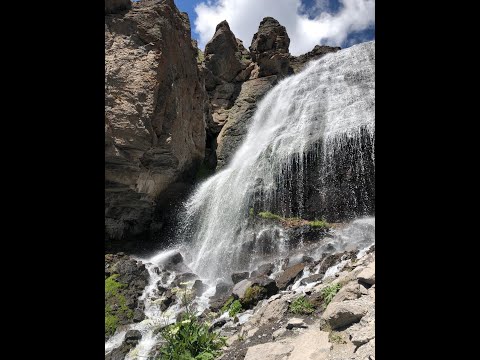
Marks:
<point>306,27</point>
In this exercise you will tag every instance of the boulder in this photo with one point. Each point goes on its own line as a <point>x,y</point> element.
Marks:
<point>199,287</point>
<point>367,276</point>
<point>342,314</point>
<point>237,277</point>
<point>288,276</point>
<point>264,269</point>
<point>269,351</point>
<point>311,279</point>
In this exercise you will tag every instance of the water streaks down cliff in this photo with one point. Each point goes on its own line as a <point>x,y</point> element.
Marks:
<point>309,152</point>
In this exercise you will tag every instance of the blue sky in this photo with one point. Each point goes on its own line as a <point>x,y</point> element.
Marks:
<point>308,22</point>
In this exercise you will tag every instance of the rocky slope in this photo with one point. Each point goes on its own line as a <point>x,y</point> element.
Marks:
<point>154,110</point>
<point>308,307</point>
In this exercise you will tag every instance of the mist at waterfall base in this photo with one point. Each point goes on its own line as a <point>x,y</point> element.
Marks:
<point>309,153</point>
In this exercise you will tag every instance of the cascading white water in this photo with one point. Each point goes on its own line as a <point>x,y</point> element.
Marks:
<point>310,117</point>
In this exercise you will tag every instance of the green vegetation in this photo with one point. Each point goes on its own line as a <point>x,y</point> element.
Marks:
<point>319,224</point>
<point>335,337</point>
<point>190,339</point>
<point>252,294</point>
<point>329,292</point>
<point>269,215</point>
<point>235,308</point>
<point>227,304</point>
<point>113,296</point>
<point>301,306</point>
<point>232,306</point>
<point>294,221</point>
<point>251,213</point>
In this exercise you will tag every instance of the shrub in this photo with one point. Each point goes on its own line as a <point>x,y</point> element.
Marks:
<point>235,308</point>
<point>190,339</point>
<point>329,292</point>
<point>301,306</point>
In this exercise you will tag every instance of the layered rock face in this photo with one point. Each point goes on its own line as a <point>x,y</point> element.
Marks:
<point>154,110</point>
<point>236,79</point>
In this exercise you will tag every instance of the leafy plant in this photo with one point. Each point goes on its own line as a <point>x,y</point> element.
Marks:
<point>301,306</point>
<point>329,292</point>
<point>235,308</point>
<point>190,339</point>
<point>227,304</point>
<point>250,212</point>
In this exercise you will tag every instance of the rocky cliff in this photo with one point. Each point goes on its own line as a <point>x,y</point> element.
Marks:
<point>169,107</point>
<point>236,79</point>
<point>154,110</point>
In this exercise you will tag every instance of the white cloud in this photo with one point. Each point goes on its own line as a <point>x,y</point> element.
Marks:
<point>244,16</point>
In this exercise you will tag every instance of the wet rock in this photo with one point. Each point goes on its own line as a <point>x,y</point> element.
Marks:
<point>288,276</point>
<point>218,323</point>
<point>161,289</point>
<point>138,315</point>
<point>170,298</point>
<point>133,337</point>
<point>237,277</point>
<point>222,288</point>
<point>184,278</point>
<point>311,279</point>
<point>199,287</point>
<point>265,269</point>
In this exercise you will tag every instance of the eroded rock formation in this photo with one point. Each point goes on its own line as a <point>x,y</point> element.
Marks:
<point>154,111</point>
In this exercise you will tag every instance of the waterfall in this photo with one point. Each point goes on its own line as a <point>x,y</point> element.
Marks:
<point>309,152</point>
